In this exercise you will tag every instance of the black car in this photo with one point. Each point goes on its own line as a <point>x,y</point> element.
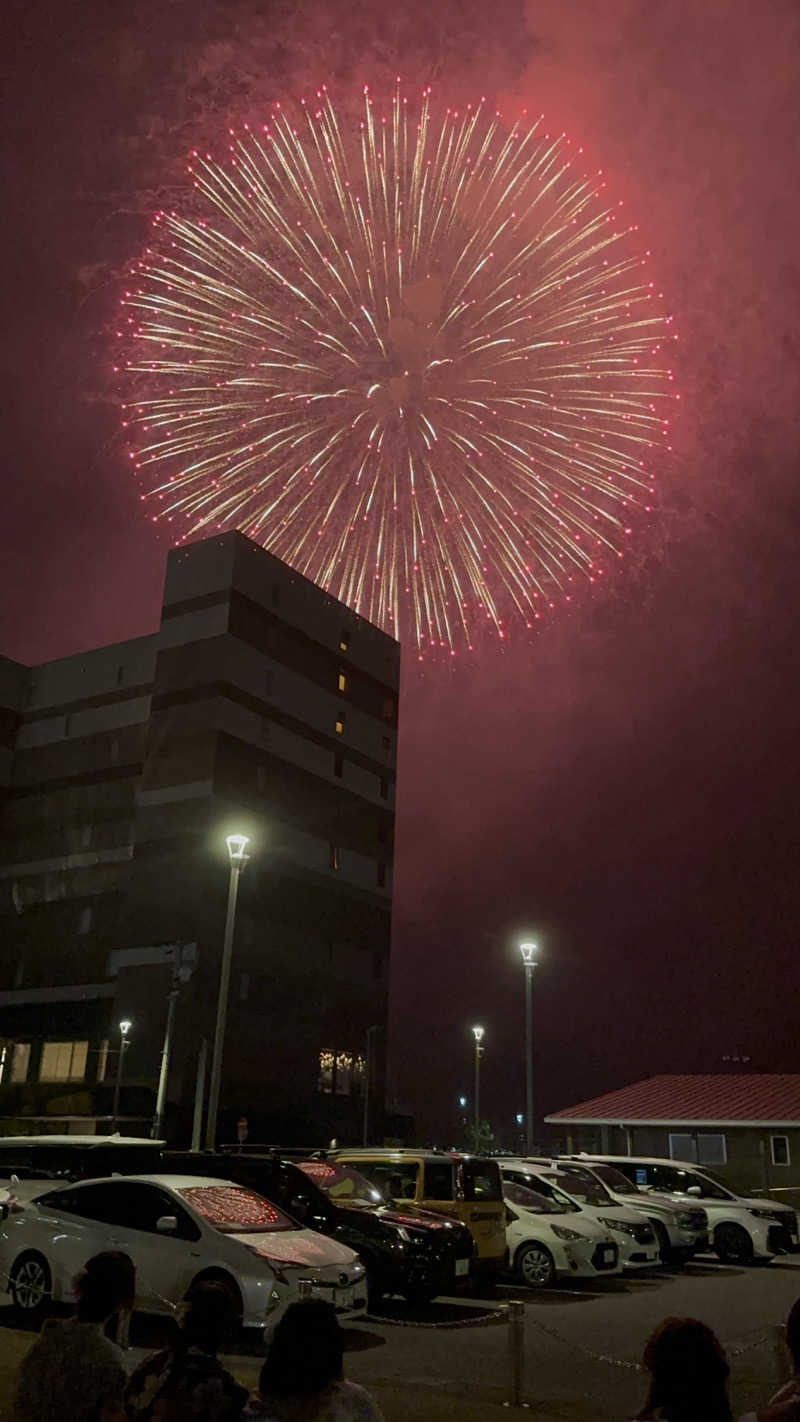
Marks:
<point>405,1250</point>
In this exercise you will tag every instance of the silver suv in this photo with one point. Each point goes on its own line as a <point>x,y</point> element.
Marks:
<point>681,1230</point>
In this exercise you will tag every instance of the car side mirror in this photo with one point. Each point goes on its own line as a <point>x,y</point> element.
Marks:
<point>694,1190</point>
<point>298,1208</point>
<point>167,1224</point>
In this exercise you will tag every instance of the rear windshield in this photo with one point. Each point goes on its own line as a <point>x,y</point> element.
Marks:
<point>343,1184</point>
<point>233,1210</point>
<point>529,1199</point>
<point>482,1180</point>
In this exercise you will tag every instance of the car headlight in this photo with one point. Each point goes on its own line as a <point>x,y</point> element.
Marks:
<point>276,1265</point>
<point>621,1225</point>
<point>561,1232</point>
<point>685,1219</point>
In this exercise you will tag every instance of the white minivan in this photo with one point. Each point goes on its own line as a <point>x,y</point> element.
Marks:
<point>741,1227</point>
<point>632,1230</point>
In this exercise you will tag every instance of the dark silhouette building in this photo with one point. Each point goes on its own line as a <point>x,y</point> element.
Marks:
<point>262,706</point>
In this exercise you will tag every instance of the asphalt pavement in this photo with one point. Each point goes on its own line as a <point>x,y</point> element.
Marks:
<point>582,1344</point>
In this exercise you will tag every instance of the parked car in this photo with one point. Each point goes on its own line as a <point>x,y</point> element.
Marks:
<point>552,1239</point>
<point>638,1246</point>
<point>463,1187</point>
<point>28,1162</point>
<point>681,1230</point>
<point>405,1250</point>
<point>177,1229</point>
<point>741,1227</point>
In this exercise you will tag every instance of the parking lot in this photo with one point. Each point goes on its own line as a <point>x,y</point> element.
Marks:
<point>581,1343</point>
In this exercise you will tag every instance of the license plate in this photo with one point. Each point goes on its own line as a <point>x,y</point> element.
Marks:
<point>462,1268</point>
<point>343,1298</point>
<point>609,1253</point>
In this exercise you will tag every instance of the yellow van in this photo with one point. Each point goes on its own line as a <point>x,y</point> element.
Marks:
<point>466,1187</point>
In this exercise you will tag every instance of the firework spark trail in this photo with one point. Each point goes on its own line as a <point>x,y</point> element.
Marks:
<point>419,363</point>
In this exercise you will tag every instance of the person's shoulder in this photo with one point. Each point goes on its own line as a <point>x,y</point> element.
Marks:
<point>351,1401</point>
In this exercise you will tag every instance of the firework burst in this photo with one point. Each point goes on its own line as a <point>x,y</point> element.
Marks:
<point>416,358</point>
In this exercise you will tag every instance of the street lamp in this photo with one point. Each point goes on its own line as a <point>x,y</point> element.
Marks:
<point>528,951</point>
<point>237,844</point>
<point>124,1029</point>
<point>477,1033</point>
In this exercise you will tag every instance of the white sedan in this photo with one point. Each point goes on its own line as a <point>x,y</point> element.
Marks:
<point>547,1240</point>
<point>177,1230</point>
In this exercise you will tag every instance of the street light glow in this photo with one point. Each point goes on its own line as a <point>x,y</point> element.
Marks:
<point>237,844</point>
<point>477,1033</point>
<point>125,1027</point>
<point>528,951</point>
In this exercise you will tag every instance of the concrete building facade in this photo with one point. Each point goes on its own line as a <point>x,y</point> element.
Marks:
<point>262,706</point>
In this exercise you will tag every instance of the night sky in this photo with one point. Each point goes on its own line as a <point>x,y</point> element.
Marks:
<point>626,788</point>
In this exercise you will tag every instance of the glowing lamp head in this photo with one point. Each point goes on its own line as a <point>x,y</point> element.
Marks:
<point>477,1033</point>
<point>237,844</point>
<point>125,1027</point>
<point>462,1101</point>
<point>520,1118</point>
<point>528,951</point>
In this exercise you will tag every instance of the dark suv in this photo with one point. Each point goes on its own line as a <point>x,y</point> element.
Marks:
<point>406,1250</point>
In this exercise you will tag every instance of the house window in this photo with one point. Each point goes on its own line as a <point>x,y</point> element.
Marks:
<point>779,1146</point>
<point>325,1079</point>
<point>381,874</point>
<point>63,1061</point>
<point>85,919</point>
<point>102,1060</point>
<point>334,856</point>
<point>340,724</point>
<point>344,640</point>
<point>338,765</point>
<point>682,1147</point>
<point>711,1150</point>
<point>20,1058</point>
<point>342,681</point>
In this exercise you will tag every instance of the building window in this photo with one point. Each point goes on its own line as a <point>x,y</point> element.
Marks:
<point>338,765</point>
<point>63,1061</point>
<point>20,1058</point>
<point>779,1145</point>
<point>340,724</point>
<point>325,1079</point>
<point>85,919</point>
<point>682,1147</point>
<point>381,874</point>
<point>344,640</point>
<point>334,856</point>
<point>711,1150</point>
<point>342,681</point>
<point>102,1060</point>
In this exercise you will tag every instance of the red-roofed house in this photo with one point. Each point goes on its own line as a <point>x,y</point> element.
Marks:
<point>747,1127</point>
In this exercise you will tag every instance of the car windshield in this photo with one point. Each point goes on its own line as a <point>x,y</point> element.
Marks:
<point>583,1187</point>
<point>614,1179</point>
<point>710,1187</point>
<point>530,1199</point>
<point>232,1210</point>
<point>343,1184</point>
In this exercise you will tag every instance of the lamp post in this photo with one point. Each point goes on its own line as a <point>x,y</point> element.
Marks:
<point>528,951</point>
<point>477,1033</point>
<point>237,844</point>
<point>124,1029</point>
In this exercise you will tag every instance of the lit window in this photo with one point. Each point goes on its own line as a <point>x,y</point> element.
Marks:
<point>334,856</point>
<point>20,1057</point>
<point>63,1061</point>
<point>340,725</point>
<point>325,1080</point>
<point>342,681</point>
<point>344,1072</point>
<point>780,1150</point>
<point>344,640</point>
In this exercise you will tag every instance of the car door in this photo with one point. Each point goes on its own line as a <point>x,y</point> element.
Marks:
<point>63,1224</point>
<point>165,1263</point>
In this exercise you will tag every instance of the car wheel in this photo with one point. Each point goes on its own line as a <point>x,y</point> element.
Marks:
<point>535,1266</point>
<point>732,1244</point>
<point>31,1285</point>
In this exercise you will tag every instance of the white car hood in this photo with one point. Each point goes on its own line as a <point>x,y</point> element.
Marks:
<point>624,1213</point>
<point>303,1247</point>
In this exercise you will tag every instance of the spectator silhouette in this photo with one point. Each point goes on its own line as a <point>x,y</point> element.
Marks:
<point>302,1379</point>
<point>688,1374</point>
<point>73,1373</point>
<point>784,1406</point>
<point>186,1380</point>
